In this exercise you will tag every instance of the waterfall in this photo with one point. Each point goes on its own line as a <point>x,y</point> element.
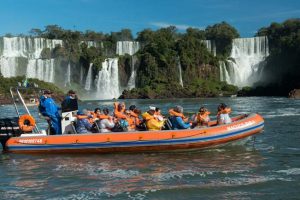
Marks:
<point>68,78</point>
<point>180,74</point>
<point>29,49</point>
<point>108,80</point>
<point>81,75</point>
<point>211,46</point>
<point>41,69</point>
<point>127,47</point>
<point>88,80</point>
<point>8,66</point>
<point>246,61</point>
<point>131,81</point>
<point>224,76</point>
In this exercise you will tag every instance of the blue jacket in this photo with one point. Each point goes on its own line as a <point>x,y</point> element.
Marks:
<point>48,107</point>
<point>178,123</point>
<point>83,126</point>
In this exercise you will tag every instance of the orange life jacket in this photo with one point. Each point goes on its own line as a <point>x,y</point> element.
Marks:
<point>203,117</point>
<point>225,111</point>
<point>135,118</point>
<point>177,114</point>
<point>119,114</point>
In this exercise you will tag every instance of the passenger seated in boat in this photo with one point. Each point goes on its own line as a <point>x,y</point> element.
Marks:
<point>201,118</point>
<point>134,119</point>
<point>223,114</point>
<point>90,115</point>
<point>173,112</point>
<point>177,119</point>
<point>97,115</point>
<point>107,123</point>
<point>134,114</point>
<point>130,120</point>
<point>152,123</point>
<point>119,109</point>
<point>83,125</point>
<point>158,114</point>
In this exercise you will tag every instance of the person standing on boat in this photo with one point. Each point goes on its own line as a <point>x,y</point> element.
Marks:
<point>177,119</point>
<point>49,109</point>
<point>70,103</point>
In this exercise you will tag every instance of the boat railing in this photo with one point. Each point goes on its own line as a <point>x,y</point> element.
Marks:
<point>16,90</point>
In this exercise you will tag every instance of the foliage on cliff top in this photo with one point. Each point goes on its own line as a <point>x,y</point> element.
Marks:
<point>283,64</point>
<point>6,83</point>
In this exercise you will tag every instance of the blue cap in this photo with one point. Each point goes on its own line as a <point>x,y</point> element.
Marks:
<point>80,113</point>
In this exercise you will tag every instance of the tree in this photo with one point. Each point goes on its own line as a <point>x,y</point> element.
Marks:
<point>222,34</point>
<point>35,32</point>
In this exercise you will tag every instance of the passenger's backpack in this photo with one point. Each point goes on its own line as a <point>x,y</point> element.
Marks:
<point>120,126</point>
<point>167,125</point>
<point>142,126</point>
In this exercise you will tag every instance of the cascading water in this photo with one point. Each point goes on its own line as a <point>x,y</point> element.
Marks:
<point>68,78</point>
<point>246,61</point>
<point>8,66</point>
<point>41,69</point>
<point>88,81</point>
<point>29,49</point>
<point>81,74</point>
<point>107,83</point>
<point>130,48</point>
<point>131,81</point>
<point>211,46</point>
<point>180,73</point>
<point>127,47</point>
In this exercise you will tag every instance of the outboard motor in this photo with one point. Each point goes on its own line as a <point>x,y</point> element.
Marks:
<point>9,127</point>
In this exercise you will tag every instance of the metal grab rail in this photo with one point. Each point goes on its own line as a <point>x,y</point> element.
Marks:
<point>36,129</point>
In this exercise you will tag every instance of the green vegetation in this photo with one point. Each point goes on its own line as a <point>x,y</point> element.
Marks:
<point>282,72</point>
<point>158,60</point>
<point>222,34</point>
<point>162,51</point>
<point>6,83</point>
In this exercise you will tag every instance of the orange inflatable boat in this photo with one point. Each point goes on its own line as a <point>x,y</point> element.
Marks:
<point>138,141</point>
<point>15,136</point>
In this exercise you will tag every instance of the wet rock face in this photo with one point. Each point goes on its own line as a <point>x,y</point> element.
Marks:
<point>294,94</point>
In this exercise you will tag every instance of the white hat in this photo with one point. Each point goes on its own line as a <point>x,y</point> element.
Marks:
<point>152,108</point>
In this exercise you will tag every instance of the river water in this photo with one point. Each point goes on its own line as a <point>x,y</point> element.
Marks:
<point>264,167</point>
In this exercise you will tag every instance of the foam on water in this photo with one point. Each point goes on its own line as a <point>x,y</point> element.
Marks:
<point>292,171</point>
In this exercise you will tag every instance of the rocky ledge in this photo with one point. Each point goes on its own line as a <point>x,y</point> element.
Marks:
<point>294,94</point>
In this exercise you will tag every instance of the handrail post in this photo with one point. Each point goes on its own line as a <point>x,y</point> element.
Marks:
<point>23,102</point>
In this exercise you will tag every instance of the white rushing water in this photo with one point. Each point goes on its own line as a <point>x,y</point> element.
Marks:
<point>127,47</point>
<point>180,72</point>
<point>41,69</point>
<point>88,80</point>
<point>131,81</point>
<point>246,62</point>
<point>68,75</point>
<point>107,82</point>
<point>29,49</point>
<point>211,46</point>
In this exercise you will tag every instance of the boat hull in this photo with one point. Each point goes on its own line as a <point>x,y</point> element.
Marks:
<point>143,141</point>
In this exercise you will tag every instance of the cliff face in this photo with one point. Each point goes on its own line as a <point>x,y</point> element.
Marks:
<point>294,94</point>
